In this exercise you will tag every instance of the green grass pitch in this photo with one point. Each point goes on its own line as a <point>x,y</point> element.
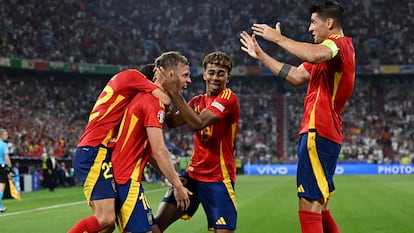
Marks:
<point>381,204</point>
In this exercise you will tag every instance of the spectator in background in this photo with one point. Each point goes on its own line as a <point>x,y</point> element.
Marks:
<point>65,178</point>
<point>51,176</point>
<point>183,160</point>
<point>44,173</point>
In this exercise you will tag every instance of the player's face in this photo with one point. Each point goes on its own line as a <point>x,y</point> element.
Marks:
<point>216,77</point>
<point>183,73</point>
<point>319,28</point>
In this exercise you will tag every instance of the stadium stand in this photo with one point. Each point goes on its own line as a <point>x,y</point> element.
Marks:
<point>44,110</point>
<point>131,32</point>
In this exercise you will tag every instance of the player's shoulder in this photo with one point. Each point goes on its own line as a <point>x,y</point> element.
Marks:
<point>148,98</point>
<point>199,96</point>
<point>128,74</point>
<point>227,94</point>
<point>340,39</point>
<point>129,71</point>
<point>120,78</point>
<point>335,36</point>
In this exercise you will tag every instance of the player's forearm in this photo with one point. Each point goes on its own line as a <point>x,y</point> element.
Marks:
<point>166,167</point>
<point>304,51</point>
<point>154,164</point>
<point>272,64</point>
<point>275,67</point>
<point>190,117</point>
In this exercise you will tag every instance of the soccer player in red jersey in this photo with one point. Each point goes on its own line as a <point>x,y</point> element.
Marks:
<point>140,135</point>
<point>91,160</point>
<point>211,173</point>
<point>329,71</point>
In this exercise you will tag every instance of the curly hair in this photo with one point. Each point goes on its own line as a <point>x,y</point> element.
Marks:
<point>218,58</point>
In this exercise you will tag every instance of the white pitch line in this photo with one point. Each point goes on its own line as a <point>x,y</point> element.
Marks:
<point>60,205</point>
<point>41,208</point>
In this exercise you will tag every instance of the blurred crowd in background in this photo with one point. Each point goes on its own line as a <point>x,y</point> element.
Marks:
<point>134,32</point>
<point>46,113</point>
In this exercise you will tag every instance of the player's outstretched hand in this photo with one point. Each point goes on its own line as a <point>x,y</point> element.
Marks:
<point>267,32</point>
<point>250,45</point>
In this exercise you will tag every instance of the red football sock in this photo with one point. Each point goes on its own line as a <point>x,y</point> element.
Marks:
<point>310,222</point>
<point>86,225</point>
<point>329,224</point>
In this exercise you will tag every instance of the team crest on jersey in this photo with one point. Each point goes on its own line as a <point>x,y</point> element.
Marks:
<point>161,116</point>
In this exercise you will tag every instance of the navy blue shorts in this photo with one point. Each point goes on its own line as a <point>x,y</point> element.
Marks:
<point>217,198</point>
<point>94,170</point>
<point>317,158</point>
<point>134,213</point>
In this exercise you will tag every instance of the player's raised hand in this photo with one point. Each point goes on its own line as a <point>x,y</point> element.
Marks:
<point>250,45</point>
<point>267,32</point>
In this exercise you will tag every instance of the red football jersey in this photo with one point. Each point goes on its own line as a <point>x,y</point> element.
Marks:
<point>110,105</point>
<point>132,150</point>
<point>330,86</point>
<point>213,157</point>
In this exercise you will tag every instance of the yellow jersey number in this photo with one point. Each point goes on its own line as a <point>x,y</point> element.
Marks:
<point>106,167</point>
<point>205,134</point>
<point>109,92</point>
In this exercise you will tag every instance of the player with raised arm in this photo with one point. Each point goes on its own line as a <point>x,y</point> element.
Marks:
<point>211,173</point>
<point>91,160</point>
<point>329,71</point>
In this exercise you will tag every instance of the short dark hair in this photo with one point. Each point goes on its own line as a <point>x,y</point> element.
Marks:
<point>148,70</point>
<point>170,59</point>
<point>329,9</point>
<point>218,58</point>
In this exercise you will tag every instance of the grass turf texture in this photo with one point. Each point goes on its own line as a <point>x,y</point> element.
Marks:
<point>380,204</point>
